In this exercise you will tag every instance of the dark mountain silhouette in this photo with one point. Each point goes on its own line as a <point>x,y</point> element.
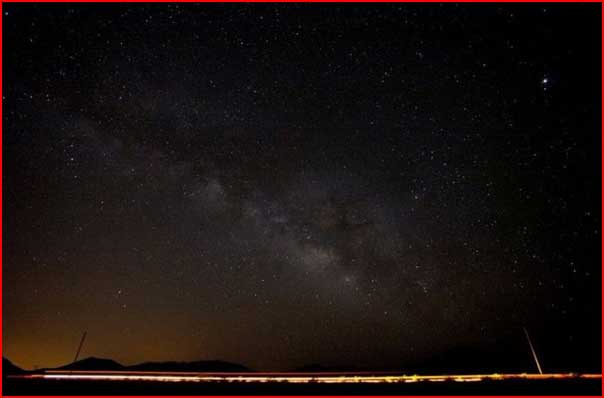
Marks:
<point>504,358</point>
<point>92,363</point>
<point>8,368</point>
<point>315,367</point>
<point>196,366</point>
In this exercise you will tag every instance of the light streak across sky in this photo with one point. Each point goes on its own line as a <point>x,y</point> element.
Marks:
<point>296,377</point>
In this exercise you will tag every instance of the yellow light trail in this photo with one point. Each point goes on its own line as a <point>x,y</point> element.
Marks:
<point>295,377</point>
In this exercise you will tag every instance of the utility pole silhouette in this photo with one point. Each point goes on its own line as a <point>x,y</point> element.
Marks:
<point>533,350</point>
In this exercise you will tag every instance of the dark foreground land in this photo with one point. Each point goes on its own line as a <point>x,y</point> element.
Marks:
<point>502,387</point>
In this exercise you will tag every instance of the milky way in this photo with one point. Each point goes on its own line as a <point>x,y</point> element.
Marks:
<point>280,185</point>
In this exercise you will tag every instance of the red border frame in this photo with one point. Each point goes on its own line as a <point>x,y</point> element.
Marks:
<point>317,1</point>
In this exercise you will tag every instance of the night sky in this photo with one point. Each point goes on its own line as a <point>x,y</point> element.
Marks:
<point>284,184</point>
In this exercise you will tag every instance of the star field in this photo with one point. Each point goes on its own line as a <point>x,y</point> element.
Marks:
<point>285,184</point>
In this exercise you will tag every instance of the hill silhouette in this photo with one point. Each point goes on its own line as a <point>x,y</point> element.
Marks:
<point>316,367</point>
<point>472,360</point>
<point>9,368</point>
<point>93,363</point>
<point>508,356</point>
<point>195,366</point>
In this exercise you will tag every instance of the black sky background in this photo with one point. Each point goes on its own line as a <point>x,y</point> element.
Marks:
<point>369,185</point>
